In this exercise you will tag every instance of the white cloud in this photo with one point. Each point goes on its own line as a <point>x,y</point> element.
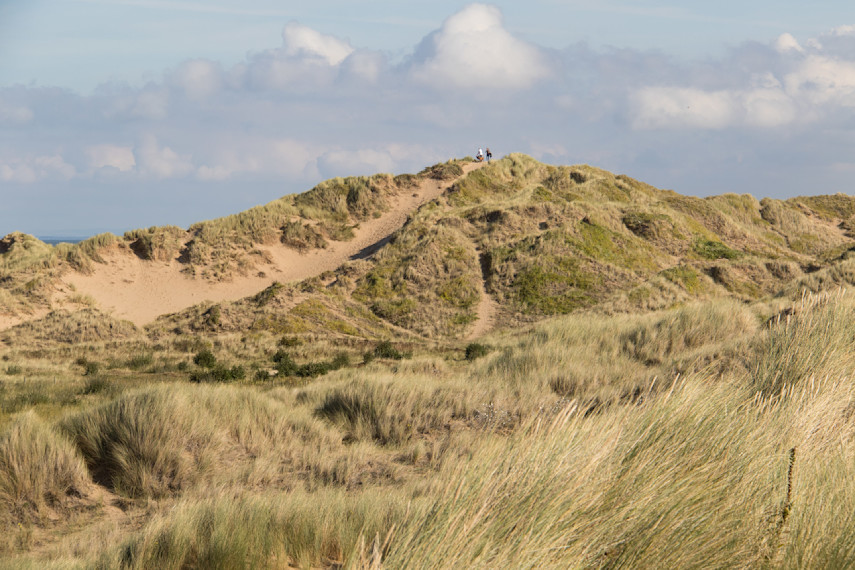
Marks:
<point>667,107</point>
<point>786,43</point>
<point>306,43</point>
<point>15,114</point>
<point>151,102</point>
<point>769,107</point>
<point>264,156</point>
<point>33,169</point>
<point>160,162</point>
<point>821,80</point>
<point>843,31</point>
<point>111,156</point>
<point>364,65</point>
<point>198,78</point>
<point>681,108</point>
<point>473,50</point>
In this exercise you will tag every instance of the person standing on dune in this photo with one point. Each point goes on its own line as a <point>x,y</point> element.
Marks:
<point>489,154</point>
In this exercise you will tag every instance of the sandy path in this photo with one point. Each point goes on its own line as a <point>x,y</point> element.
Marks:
<point>487,308</point>
<point>140,290</point>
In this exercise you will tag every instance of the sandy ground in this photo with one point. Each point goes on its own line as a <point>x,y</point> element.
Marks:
<point>140,291</point>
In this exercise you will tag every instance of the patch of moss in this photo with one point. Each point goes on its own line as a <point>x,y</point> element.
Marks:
<point>639,294</point>
<point>805,243</point>
<point>458,292</point>
<point>684,276</point>
<point>711,249</point>
<point>394,310</point>
<point>604,245</point>
<point>556,288</point>
<point>278,324</point>
<point>266,295</point>
<point>541,194</point>
<point>342,327</point>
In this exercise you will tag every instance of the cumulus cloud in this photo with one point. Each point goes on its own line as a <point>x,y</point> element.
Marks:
<point>265,156</point>
<point>160,162</point>
<point>668,107</point>
<point>14,114</point>
<point>799,86</point>
<point>150,103</point>
<point>314,107</point>
<point>691,108</point>
<point>473,50</point>
<point>198,79</point>
<point>786,42</point>
<point>821,80</point>
<point>111,156</point>
<point>843,31</point>
<point>34,169</point>
<point>303,42</point>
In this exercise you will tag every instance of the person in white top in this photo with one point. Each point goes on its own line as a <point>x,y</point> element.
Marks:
<point>480,155</point>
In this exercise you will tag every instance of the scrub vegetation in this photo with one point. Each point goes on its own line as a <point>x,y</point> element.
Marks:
<point>667,383</point>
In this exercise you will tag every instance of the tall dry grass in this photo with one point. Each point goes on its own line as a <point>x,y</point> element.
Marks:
<point>40,472</point>
<point>708,470</point>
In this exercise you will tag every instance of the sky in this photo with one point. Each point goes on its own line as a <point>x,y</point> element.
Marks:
<point>123,114</point>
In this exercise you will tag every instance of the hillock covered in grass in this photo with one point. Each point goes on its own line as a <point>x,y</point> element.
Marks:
<point>666,382</point>
<point>542,240</point>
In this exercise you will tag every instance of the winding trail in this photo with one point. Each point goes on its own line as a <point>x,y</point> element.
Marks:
<point>487,306</point>
<point>141,290</point>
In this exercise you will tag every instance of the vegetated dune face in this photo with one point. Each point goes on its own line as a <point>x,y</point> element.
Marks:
<point>452,252</point>
<point>140,290</point>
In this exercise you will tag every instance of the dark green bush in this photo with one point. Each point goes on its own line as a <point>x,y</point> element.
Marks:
<point>97,385</point>
<point>205,358</point>
<point>219,373</point>
<point>140,361</point>
<point>476,350</point>
<point>313,369</point>
<point>385,350</point>
<point>91,368</point>
<point>285,365</point>
<point>341,360</point>
<point>290,341</point>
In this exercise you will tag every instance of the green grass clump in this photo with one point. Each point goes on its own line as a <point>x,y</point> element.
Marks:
<point>710,249</point>
<point>386,349</point>
<point>685,276</point>
<point>475,350</point>
<point>156,243</point>
<point>558,290</point>
<point>219,373</point>
<point>205,359</point>
<point>41,473</point>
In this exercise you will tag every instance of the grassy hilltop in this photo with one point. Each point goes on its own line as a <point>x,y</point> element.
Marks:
<point>666,381</point>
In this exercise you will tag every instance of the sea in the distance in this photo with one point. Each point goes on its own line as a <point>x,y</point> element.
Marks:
<point>53,240</point>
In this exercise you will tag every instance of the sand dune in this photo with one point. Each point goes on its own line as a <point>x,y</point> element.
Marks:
<point>141,290</point>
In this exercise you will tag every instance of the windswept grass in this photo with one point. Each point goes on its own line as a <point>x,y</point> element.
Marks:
<point>162,441</point>
<point>40,472</point>
<point>678,415</point>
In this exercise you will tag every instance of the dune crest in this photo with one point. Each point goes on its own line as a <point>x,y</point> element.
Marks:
<point>141,290</point>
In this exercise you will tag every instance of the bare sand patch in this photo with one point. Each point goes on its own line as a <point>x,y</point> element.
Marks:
<point>141,290</point>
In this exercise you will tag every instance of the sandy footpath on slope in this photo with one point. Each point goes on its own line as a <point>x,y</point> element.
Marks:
<point>140,290</point>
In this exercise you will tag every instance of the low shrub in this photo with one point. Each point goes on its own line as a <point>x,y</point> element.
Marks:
<point>205,358</point>
<point>385,349</point>
<point>476,350</point>
<point>219,373</point>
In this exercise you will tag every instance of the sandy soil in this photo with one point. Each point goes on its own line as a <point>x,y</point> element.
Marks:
<point>140,291</point>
